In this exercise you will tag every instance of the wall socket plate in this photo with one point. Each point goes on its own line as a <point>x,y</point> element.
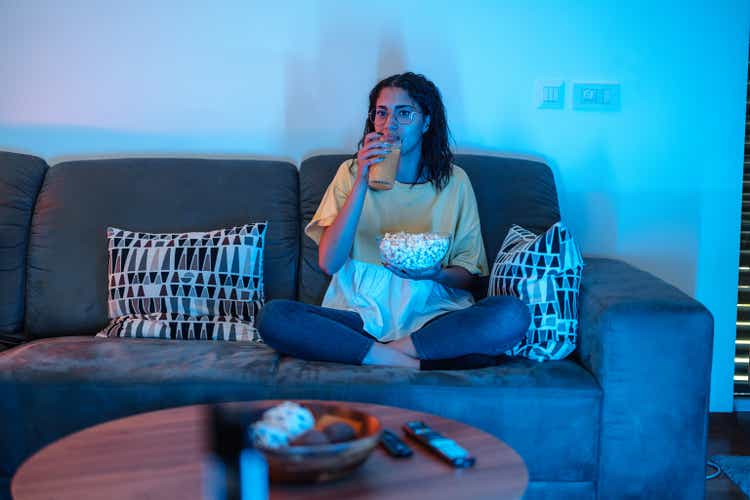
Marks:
<point>596,96</point>
<point>550,94</point>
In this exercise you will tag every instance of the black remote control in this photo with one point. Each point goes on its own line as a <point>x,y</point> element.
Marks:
<point>445,448</point>
<point>394,445</point>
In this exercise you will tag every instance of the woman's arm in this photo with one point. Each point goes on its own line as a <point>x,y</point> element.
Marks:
<point>337,239</point>
<point>457,277</point>
<point>451,276</point>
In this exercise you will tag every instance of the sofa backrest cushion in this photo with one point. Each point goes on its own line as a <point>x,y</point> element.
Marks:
<point>315,173</point>
<point>21,178</point>
<point>67,282</point>
<point>509,190</point>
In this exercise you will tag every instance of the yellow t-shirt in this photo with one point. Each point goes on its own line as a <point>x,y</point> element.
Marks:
<point>392,307</point>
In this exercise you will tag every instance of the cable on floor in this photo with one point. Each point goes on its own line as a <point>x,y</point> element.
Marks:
<point>714,474</point>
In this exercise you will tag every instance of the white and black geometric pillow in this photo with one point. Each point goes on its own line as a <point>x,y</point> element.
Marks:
<point>198,285</point>
<point>544,271</point>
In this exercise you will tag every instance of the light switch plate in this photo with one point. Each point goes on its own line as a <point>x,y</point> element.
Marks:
<point>550,94</point>
<point>596,96</point>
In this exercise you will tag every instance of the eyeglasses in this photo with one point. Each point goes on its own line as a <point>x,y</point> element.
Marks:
<point>404,116</point>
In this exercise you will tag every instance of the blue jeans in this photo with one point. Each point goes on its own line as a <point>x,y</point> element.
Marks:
<point>469,338</point>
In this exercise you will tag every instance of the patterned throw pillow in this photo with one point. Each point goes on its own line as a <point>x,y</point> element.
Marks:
<point>544,271</point>
<point>202,286</point>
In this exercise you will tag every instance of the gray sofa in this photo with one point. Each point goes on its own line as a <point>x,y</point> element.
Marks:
<point>624,417</point>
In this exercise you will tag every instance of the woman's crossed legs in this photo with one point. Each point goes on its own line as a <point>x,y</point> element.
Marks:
<point>478,333</point>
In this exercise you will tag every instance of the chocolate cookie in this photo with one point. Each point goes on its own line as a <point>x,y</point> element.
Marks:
<point>339,432</point>
<point>311,437</point>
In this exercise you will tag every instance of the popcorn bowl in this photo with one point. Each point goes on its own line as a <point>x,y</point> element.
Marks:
<point>324,462</point>
<point>413,251</point>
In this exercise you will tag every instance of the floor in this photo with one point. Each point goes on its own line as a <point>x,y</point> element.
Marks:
<point>728,434</point>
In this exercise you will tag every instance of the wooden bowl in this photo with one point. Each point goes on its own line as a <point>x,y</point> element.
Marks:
<point>325,462</point>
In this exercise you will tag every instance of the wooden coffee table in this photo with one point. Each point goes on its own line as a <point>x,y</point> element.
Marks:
<point>158,455</point>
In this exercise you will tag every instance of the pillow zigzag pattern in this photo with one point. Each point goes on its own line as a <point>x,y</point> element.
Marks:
<point>203,286</point>
<point>544,271</point>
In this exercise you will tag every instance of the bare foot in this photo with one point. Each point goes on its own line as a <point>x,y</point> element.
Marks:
<point>384,355</point>
<point>405,346</point>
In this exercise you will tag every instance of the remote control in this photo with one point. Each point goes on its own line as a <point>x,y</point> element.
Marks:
<point>445,448</point>
<point>394,445</point>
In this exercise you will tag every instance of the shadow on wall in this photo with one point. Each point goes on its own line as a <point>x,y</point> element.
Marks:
<point>661,235</point>
<point>320,93</point>
<point>591,214</point>
<point>392,60</point>
<point>391,56</point>
<point>335,79</point>
<point>651,228</point>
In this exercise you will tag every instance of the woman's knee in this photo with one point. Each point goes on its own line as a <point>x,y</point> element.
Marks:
<point>511,312</point>
<point>273,318</point>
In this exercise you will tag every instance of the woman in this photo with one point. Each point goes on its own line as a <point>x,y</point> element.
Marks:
<point>373,313</point>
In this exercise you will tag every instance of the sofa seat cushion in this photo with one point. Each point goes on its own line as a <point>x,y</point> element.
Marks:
<point>548,412</point>
<point>83,359</point>
<point>52,387</point>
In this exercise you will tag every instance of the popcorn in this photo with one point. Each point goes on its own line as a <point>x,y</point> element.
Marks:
<point>281,424</point>
<point>413,251</point>
<point>291,417</point>
<point>268,435</point>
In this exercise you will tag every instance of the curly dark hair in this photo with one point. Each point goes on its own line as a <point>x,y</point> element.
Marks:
<point>437,157</point>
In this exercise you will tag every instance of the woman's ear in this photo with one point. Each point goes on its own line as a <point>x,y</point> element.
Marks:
<point>426,124</point>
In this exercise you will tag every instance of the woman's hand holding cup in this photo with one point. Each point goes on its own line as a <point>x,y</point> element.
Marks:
<point>372,151</point>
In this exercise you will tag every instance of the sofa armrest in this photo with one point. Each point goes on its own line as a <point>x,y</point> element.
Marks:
<point>649,346</point>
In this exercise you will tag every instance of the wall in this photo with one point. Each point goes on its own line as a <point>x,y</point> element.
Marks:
<point>657,184</point>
